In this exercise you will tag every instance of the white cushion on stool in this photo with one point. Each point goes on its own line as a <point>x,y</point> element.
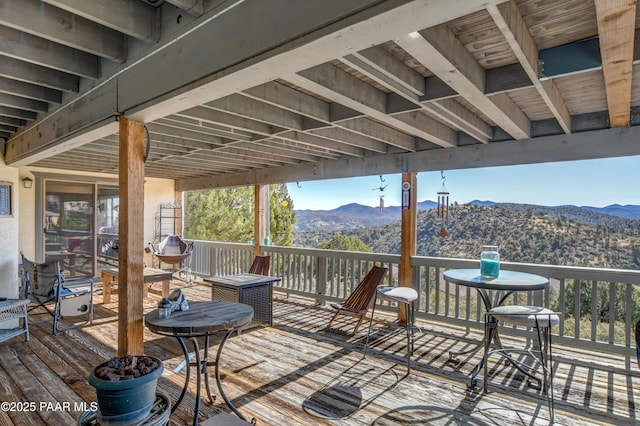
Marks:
<point>399,294</point>
<point>525,315</point>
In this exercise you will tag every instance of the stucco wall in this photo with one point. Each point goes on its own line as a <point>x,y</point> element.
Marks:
<point>156,192</point>
<point>9,236</point>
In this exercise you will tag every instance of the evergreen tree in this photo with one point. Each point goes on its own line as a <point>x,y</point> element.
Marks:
<point>227,215</point>
<point>282,216</point>
<point>344,243</point>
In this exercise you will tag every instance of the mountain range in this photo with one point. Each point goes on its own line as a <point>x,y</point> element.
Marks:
<point>354,216</point>
<point>606,237</point>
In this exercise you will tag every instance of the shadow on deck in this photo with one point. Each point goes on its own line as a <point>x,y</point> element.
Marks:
<point>299,372</point>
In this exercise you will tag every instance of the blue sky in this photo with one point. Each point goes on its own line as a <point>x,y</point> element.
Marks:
<point>595,183</point>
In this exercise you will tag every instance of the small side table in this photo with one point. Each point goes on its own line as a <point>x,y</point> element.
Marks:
<point>251,289</point>
<point>14,309</point>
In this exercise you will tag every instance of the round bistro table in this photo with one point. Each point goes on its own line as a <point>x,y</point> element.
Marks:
<point>202,319</point>
<point>502,287</point>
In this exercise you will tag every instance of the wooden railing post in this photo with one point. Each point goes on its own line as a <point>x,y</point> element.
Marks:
<point>260,217</point>
<point>321,278</point>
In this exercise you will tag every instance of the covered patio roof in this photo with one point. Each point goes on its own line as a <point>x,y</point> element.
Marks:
<point>242,92</point>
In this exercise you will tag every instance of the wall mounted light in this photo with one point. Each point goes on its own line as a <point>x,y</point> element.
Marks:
<point>27,182</point>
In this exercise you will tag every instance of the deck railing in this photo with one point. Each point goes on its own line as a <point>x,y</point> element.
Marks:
<point>600,316</point>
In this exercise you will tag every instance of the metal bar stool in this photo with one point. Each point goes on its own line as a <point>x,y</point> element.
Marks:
<point>540,319</point>
<point>405,297</point>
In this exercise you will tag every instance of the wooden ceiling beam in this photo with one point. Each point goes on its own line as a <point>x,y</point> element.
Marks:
<point>26,104</point>
<point>233,121</point>
<point>354,139</point>
<point>293,100</point>
<point>38,75</point>
<point>63,27</point>
<point>28,90</point>
<point>9,121</point>
<point>322,143</point>
<point>206,128</point>
<point>544,149</point>
<point>333,83</point>
<point>131,17</point>
<point>511,24</point>
<point>259,111</point>
<point>29,48</point>
<point>438,49</point>
<point>386,69</point>
<point>288,155</point>
<point>296,149</point>
<point>381,132</point>
<point>286,97</point>
<point>616,27</point>
<point>242,123</point>
<point>17,114</point>
<point>184,134</point>
<point>461,118</point>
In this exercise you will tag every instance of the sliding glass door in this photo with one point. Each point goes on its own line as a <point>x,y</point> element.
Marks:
<point>69,226</point>
<point>107,226</point>
<point>80,226</point>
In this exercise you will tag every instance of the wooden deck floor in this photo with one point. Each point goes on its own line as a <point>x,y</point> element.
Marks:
<point>300,373</point>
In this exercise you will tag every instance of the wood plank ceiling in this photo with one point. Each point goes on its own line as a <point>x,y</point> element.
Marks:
<point>505,72</point>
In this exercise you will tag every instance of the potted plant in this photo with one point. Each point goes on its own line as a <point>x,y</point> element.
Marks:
<point>126,388</point>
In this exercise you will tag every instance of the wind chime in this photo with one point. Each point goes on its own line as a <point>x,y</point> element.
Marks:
<point>381,189</point>
<point>443,206</point>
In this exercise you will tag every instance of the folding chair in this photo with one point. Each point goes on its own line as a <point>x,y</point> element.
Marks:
<point>260,265</point>
<point>44,285</point>
<point>358,302</point>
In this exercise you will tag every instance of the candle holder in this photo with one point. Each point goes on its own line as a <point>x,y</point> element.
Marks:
<point>489,262</point>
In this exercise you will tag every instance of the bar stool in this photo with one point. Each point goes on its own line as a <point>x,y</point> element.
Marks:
<point>405,297</point>
<point>540,319</point>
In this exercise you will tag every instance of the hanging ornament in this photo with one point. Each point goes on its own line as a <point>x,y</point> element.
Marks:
<point>381,189</point>
<point>443,206</point>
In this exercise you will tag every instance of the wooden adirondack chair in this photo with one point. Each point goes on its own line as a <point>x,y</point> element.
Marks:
<point>260,265</point>
<point>358,302</point>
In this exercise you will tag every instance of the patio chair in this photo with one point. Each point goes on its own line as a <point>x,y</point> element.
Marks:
<point>358,302</point>
<point>532,317</point>
<point>46,287</point>
<point>174,250</point>
<point>260,265</point>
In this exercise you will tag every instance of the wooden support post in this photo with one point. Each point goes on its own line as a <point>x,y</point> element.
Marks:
<point>408,231</point>
<point>131,236</point>
<point>260,216</point>
<point>179,201</point>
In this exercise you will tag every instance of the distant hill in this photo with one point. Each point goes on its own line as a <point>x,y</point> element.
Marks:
<point>562,235</point>
<point>627,211</point>
<point>350,216</point>
<point>353,216</point>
